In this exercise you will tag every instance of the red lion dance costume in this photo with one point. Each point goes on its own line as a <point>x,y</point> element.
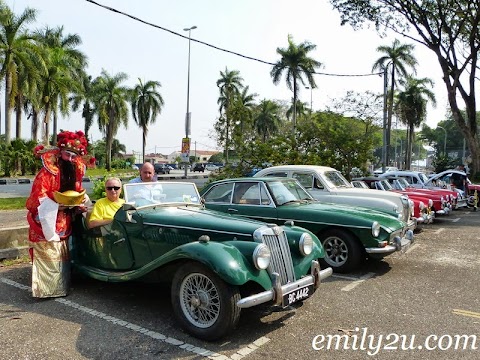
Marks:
<point>50,256</point>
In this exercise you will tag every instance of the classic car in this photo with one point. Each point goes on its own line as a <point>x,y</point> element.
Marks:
<point>217,263</point>
<point>442,179</point>
<point>422,204</point>
<point>348,234</point>
<point>419,180</point>
<point>329,185</point>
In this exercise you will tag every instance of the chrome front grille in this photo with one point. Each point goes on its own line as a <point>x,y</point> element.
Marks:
<point>281,262</point>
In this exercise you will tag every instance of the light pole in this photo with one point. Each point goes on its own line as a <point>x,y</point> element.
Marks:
<point>308,87</point>
<point>445,143</point>
<point>187,116</point>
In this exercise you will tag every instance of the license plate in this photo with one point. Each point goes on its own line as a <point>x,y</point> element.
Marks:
<point>297,295</point>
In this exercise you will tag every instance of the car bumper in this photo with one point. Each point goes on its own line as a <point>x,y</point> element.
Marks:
<point>400,244</point>
<point>426,218</point>
<point>277,291</point>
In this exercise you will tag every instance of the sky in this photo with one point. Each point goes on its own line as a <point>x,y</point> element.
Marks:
<point>255,28</point>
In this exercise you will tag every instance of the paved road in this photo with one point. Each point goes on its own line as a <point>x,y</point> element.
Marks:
<point>23,189</point>
<point>431,292</point>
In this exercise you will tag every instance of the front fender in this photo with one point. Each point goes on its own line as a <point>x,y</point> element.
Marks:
<point>229,260</point>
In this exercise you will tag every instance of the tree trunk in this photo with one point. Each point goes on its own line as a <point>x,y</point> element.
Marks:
<point>34,125</point>
<point>18,116</point>
<point>8,114</point>
<point>45,126</point>
<point>55,124</point>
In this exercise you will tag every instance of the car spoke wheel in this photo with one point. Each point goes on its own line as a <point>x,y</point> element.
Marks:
<point>204,304</point>
<point>342,251</point>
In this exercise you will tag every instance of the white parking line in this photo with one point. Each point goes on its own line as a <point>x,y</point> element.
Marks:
<point>452,220</point>
<point>439,231</point>
<point>357,282</point>
<point>153,334</point>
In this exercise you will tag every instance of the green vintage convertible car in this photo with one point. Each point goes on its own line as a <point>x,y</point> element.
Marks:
<point>348,234</point>
<point>217,263</point>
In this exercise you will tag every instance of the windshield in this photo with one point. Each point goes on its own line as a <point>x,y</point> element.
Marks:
<point>153,193</point>
<point>336,179</point>
<point>423,177</point>
<point>287,191</point>
<point>386,185</point>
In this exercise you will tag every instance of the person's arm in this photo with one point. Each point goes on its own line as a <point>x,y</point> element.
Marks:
<point>99,222</point>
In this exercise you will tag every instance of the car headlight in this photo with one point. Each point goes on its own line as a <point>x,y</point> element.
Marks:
<point>261,256</point>
<point>375,229</point>
<point>305,245</point>
<point>430,203</point>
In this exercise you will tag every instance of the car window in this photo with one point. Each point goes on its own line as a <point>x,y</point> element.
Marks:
<point>337,179</point>
<point>221,193</point>
<point>246,193</point>
<point>277,174</point>
<point>305,179</point>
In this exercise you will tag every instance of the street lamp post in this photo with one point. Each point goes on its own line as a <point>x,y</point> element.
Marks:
<point>187,116</point>
<point>445,143</point>
<point>308,87</point>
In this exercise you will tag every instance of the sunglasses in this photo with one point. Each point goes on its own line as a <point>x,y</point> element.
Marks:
<point>112,187</point>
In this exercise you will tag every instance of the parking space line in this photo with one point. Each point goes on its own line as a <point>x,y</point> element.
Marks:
<point>153,334</point>
<point>345,277</point>
<point>414,246</point>
<point>452,220</point>
<point>357,282</point>
<point>438,231</point>
<point>466,313</point>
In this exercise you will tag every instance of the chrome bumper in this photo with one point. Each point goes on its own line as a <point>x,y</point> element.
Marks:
<point>277,291</point>
<point>399,244</point>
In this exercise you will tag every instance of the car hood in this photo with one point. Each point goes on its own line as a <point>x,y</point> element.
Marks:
<point>196,218</point>
<point>341,214</point>
<point>367,193</point>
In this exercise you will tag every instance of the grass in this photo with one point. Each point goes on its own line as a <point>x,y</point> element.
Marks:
<point>12,203</point>
<point>23,259</point>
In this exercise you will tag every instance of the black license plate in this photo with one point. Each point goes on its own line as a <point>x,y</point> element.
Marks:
<point>297,295</point>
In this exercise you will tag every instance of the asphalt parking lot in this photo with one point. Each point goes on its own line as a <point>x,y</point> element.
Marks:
<point>414,305</point>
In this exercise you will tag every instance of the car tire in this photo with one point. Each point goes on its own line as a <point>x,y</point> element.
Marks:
<point>204,304</point>
<point>343,253</point>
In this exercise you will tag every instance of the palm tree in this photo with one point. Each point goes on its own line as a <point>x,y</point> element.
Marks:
<point>229,84</point>
<point>246,102</point>
<point>267,119</point>
<point>411,107</point>
<point>297,64</point>
<point>65,64</point>
<point>300,108</point>
<point>17,50</point>
<point>111,107</point>
<point>399,58</point>
<point>147,104</point>
<point>85,97</point>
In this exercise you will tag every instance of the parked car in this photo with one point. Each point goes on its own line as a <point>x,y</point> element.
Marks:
<point>443,179</point>
<point>423,206</point>
<point>161,168</point>
<point>211,167</point>
<point>328,185</point>
<point>198,167</point>
<point>348,233</point>
<point>419,180</point>
<point>387,169</point>
<point>217,264</point>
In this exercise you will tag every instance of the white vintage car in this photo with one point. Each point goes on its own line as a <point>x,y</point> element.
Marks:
<point>329,185</point>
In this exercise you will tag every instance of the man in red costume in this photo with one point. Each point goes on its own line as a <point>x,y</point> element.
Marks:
<point>63,169</point>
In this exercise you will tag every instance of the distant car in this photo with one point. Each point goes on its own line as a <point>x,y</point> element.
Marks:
<point>348,233</point>
<point>198,167</point>
<point>253,171</point>
<point>387,169</point>
<point>216,264</point>
<point>211,167</point>
<point>161,169</point>
<point>135,167</point>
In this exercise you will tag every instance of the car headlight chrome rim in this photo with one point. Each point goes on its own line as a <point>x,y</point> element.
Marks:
<point>305,244</point>
<point>375,229</point>
<point>261,257</point>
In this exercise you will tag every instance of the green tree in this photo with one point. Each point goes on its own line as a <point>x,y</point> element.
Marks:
<point>450,29</point>
<point>398,58</point>
<point>111,107</point>
<point>230,85</point>
<point>65,64</point>
<point>18,53</point>
<point>147,104</point>
<point>267,119</point>
<point>411,107</point>
<point>84,98</point>
<point>296,64</point>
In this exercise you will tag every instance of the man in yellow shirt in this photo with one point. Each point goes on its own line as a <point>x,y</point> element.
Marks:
<point>104,209</point>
